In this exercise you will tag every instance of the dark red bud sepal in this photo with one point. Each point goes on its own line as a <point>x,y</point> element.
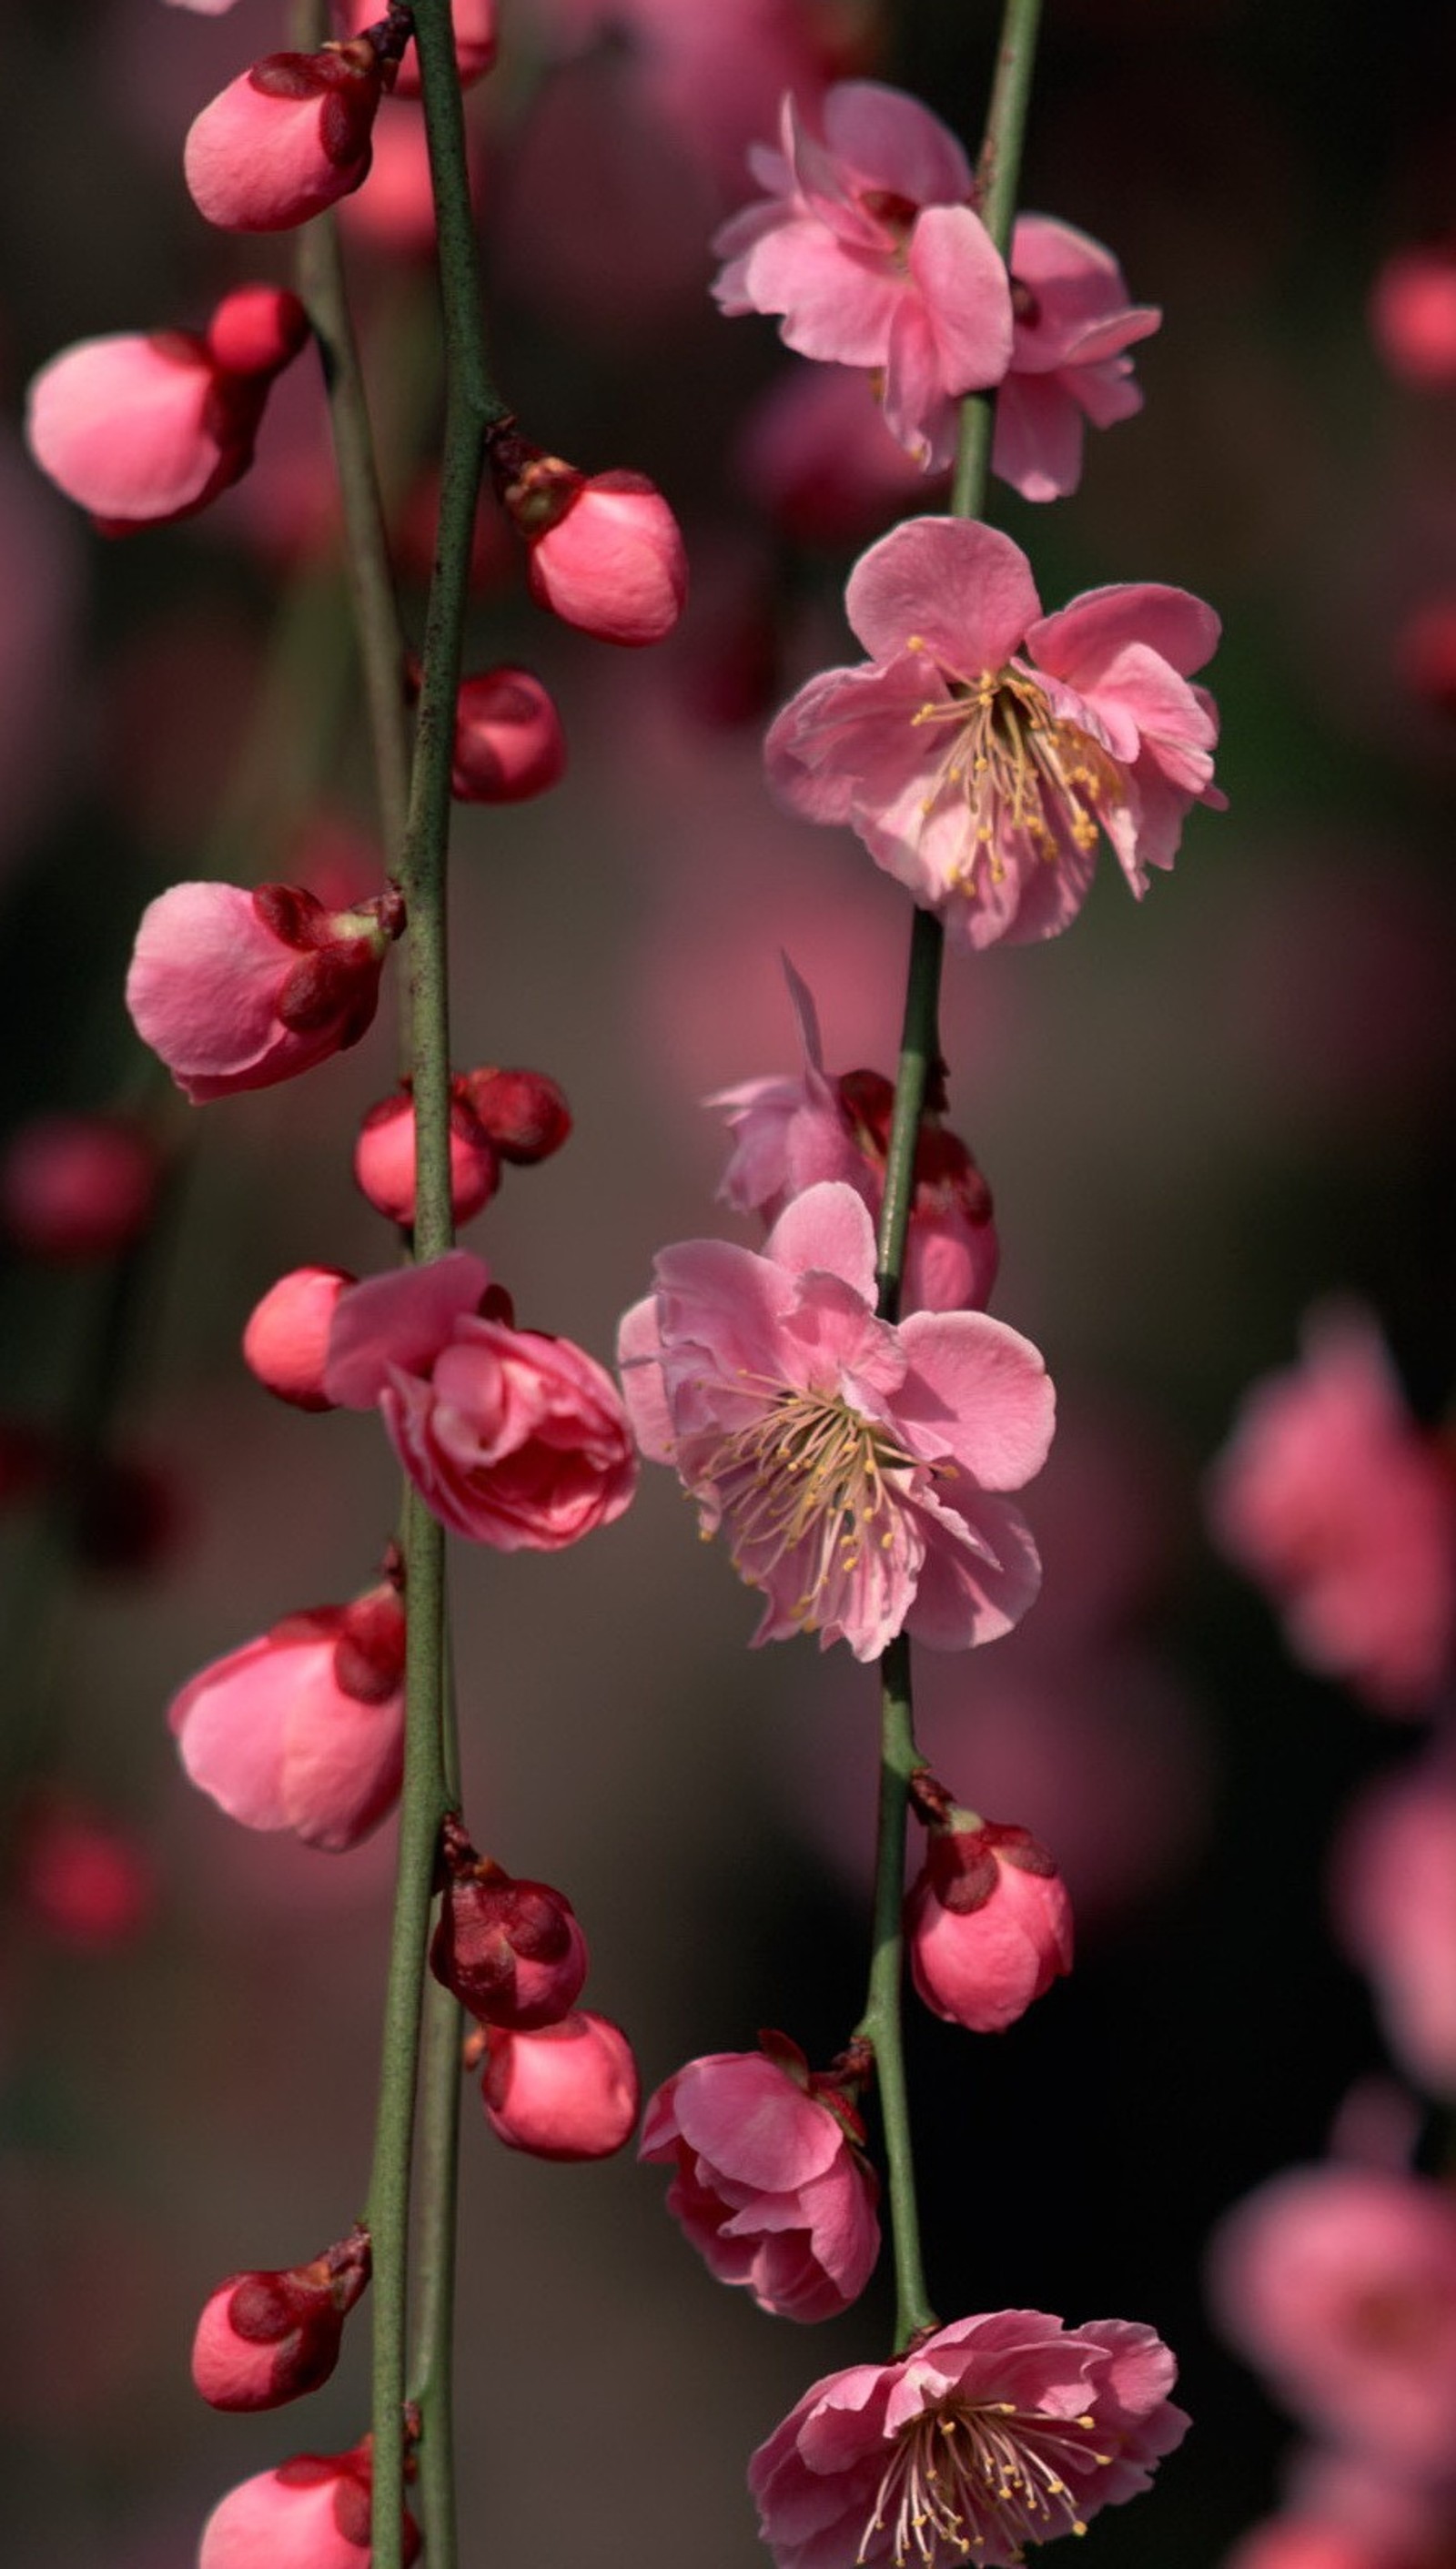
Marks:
<point>988,1922</point>
<point>511,1951</point>
<point>266,2338</point>
<point>523,1111</point>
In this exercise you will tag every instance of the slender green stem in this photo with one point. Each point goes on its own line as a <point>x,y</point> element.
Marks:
<point>919,1051</point>
<point>472,408</point>
<point>320,272</point>
<point>998,170</point>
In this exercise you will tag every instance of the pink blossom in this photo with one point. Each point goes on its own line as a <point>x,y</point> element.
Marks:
<point>982,746</point>
<point>852,1460</point>
<point>265,2338</point>
<point>288,137</point>
<point>869,248</point>
<point>565,2092</point>
<point>1413,314</point>
<point>988,1922</point>
<point>285,1342</point>
<point>508,741</point>
<point>1339,2285</point>
<point>1330,1497</point>
<point>309,2513</point>
<point>143,429</point>
<point>384,1157</point>
<point>78,1185</point>
<point>476,40</point>
<point>1073,326</point>
<point>788,1134</point>
<point>303,1728</point>
<point>606,551</point>
<point>1394,1895</point>
<point>511,1951</point>
<point>238,990</point>
<point>513,1438</point>
<point>995,2432</point>
<point>768,2185</point>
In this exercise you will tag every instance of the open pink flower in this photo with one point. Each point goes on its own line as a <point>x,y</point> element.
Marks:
<point>1073,326</point>
<point>144,428</point>
<point>1339,2284</point>
<point>996,2431</point>
<point>869,248</point>
<point>303,1728</point>
<point>770,2186</point>
<point>851,1461</point>
<point>309,2513</point>
<point>1329,1495</point>
<point>983,745</point>
<point>513,1438</point>
<point>238,990</point>
<point>789,1134</point>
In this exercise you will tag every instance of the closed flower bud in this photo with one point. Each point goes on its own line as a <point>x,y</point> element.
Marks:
<point>310,2513</point>
<point>78,1185</point>
<point>265,2339</point>
<point>565,2092</point>
<point>508,741</point>
<point>525,1112</point>
<point>988,1921</point>
<point>384,1158</point>
<point>286,1338</point>
<point>511,1951</point>
<point>284,140</point>
<point>607,553</point>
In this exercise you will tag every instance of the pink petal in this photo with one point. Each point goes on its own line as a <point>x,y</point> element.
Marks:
<point>966,295</point>
<point>1037,447</point>
<point>891,141</point>
<point>205,974</point>
<point>745,2114</point>
<point>231,1739</point>
<point>1078,641</point>
<point>919,412</point>
<point>639,1350</point>
<point>398,1323</point>
<point>991,1387</point>
<point>964,589</point>
<point>838,302</point>
<point>962,1600</point>
<point>828,1229</point>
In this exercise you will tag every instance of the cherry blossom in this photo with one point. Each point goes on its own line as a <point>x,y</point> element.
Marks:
<point>265,2338</point>
<point>1328,1495</point>
<point>982,746</point>
<point>238,990</point>
<point>996,2431</point>
<point>869,248</point>
<point>513,1438</point>
<point>853,1462</point>
<point>770,2185</point>
<point>1073,327</point>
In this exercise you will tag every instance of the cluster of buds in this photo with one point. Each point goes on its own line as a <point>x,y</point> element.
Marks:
<point>560,2081</point>
<point>516,1115</point>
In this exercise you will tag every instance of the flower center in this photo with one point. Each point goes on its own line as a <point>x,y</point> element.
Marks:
<point>964,2476</point>
<point>809,1478</point>
<point>1028,781</point>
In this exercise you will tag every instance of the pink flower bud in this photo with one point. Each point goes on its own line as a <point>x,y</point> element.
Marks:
<point>384,1158</point>
<point>142,429</point>
<point>988,1921</point>
<point>770,2188</point>
<point>238,990</point>
<point>285,1342</point>
<point>284,140</point>
<point>565,2092</point>
<point>78,1185</point>
<point>265,2338</point>
<point>508,741</point>
<point>607,553</point>
<point>303,1728</point>
<point>310,2513</point>
<point>523,1111</point>
<point>476,40</point>
<point>511,1951</point>
<point>83,1879</point>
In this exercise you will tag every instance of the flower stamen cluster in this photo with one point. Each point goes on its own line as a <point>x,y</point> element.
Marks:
<point>810,1478</point>
<point>964,2476</point>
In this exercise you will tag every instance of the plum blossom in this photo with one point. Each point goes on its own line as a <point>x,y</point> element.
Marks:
<point>852,1460</point>
<point>266,2338</point>
<point>311,2512</point>
<point>998,2430</point>
<point>770,2185</point>
<point>983,745</point>
<point>988,1924</point>
<point>605,552</point>
<point>1330,1497</point>
<point>1073,327</point>
<point>869,248</point>
<point>1339,2284</point>
<point>789,1134</point>
<point>238,990</point>
<point>512,1438</point>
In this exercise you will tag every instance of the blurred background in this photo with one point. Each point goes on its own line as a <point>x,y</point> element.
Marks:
<point>1197,1115</point>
